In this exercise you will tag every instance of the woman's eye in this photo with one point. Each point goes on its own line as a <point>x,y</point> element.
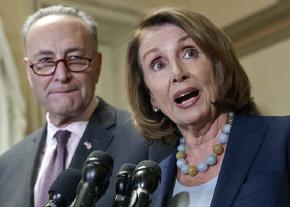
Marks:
<point>157,65</point>
<point>191,52</point>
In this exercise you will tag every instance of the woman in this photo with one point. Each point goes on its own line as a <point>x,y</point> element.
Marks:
<point>185,83</point>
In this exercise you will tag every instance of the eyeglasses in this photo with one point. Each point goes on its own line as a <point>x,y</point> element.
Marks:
<point>47,68</point>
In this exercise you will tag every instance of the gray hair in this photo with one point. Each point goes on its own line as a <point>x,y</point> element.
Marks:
<point>60,10</point>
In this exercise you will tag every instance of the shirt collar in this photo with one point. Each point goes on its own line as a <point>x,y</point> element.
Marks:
<point>77,128</point>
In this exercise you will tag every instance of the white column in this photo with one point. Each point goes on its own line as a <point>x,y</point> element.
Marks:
<point>12,105</point>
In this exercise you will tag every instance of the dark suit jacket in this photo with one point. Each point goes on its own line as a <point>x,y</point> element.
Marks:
<point>256,168</point>
<point>108,130</point>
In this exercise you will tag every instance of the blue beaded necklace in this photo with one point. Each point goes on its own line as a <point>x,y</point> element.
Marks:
<point>211,160</point>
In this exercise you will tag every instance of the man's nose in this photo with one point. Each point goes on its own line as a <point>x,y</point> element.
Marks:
<point>61,73</point>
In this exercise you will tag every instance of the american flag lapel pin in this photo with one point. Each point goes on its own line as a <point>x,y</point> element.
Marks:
<point>88,145</point>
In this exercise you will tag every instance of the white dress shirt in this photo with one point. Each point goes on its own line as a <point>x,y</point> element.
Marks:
<point>77,129</point>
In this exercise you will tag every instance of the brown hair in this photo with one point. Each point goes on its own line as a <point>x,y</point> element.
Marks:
<point>233,90</point>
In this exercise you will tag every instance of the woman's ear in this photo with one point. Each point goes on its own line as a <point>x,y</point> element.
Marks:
<point>154,104</point>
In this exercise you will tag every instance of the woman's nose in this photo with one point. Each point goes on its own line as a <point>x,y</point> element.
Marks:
<point>179,73</point>
<point>180,78</point>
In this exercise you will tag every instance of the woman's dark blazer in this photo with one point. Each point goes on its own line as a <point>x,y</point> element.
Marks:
<point>255,169</point>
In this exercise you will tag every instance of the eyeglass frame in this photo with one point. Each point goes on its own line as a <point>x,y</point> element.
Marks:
<point>65,62</point>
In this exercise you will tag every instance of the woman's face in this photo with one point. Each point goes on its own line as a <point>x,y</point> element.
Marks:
<point>178,74</point>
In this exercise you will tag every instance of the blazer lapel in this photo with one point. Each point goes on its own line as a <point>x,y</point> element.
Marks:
<point>164,190</point>
<point>245,139</point>
<point>96,135</point>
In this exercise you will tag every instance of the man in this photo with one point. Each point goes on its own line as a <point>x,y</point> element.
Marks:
<point>63,66</point>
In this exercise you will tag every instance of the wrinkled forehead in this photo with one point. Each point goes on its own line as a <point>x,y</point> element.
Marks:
<point>48,22</point>
<point>166,37</point>
<point>166,30</point>
<point>59,31</point>
<point>50,19</point>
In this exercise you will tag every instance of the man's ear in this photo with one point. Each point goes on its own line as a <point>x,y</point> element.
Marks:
<point>28,70</point>
<point>98,65</point>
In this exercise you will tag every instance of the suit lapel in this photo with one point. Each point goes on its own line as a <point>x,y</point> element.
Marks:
<point>245,139</point>
<point>36,151</point>
<point>96,135</point>
<point>33,156</point>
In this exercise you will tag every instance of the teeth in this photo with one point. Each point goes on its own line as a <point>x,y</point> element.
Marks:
<point>183,95</point>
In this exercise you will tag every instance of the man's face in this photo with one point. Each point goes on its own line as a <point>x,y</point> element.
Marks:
<point>65,94</point>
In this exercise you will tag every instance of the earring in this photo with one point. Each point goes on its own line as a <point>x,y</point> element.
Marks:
<point>155,109</point>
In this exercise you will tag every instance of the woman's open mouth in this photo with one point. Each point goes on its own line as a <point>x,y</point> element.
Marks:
<point>186,97</point>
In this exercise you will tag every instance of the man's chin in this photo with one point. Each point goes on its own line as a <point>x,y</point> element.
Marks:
<point>62,110</point>
<point>61,118</point>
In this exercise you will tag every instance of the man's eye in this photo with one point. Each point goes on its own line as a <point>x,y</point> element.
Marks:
<point>75,57</point>
<point>190,52</point>
<point>45,60</point>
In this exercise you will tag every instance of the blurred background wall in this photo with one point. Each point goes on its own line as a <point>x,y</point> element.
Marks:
<point>259,29</point>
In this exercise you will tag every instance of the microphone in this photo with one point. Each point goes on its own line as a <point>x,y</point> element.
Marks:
<point>95,179</point>
<point>146,178</point>
<point>123,185</point>
<point>63,190</point>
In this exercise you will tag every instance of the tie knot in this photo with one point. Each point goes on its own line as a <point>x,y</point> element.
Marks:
<point>62,137</point>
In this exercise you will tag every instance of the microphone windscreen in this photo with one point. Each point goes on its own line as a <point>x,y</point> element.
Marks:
<point>150,165</point>
<point>147,176</point>
<point>66,183</point>
<point>127,168</point>
<point>100,158</point>
<point>96,174</point>
<point>124,179</point>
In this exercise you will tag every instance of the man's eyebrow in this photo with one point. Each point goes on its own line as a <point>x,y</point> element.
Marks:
<point>75,49</point>
<point>42,53</point>
<point>51,53</point>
